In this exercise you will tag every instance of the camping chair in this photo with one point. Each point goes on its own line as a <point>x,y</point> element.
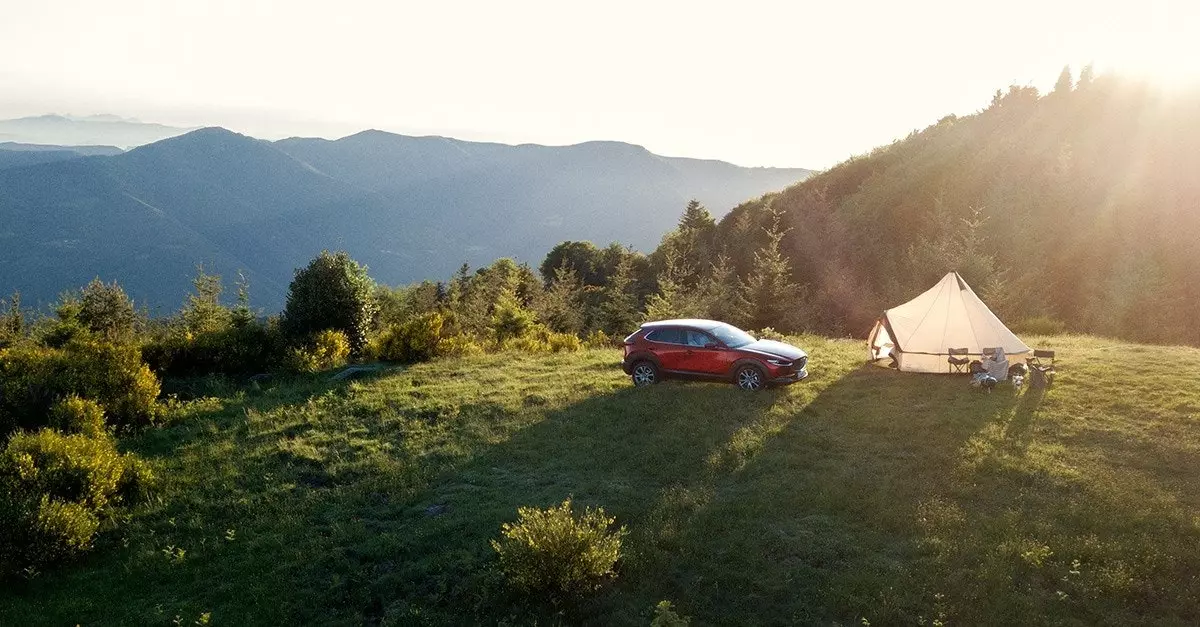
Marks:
<point>1041,368</point>
<point>996,362</point>
<point>958,360</point>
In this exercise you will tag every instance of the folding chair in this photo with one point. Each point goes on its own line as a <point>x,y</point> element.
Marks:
<point>1041,368</point>
<point>958,360</point>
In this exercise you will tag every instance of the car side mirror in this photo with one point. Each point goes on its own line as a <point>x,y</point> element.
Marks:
<point>711,345</point>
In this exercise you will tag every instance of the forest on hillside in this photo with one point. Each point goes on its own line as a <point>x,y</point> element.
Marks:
<point>1081,206</point>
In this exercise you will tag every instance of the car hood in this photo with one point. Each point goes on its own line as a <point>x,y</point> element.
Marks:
<point>774,349</point>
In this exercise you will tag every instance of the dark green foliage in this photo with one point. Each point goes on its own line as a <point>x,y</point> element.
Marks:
<point>207,337</point>
<point>618,310</point>
<point>34,378</point>
<point>12,322</point>
<point>553,552</point>
<point>54,491</point>
<point>332,292</point>
<point>769,298</point>
<point>106,311</point>
<point>562,307</point>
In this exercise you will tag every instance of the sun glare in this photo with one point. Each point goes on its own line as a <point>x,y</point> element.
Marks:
<point>1166,51</point>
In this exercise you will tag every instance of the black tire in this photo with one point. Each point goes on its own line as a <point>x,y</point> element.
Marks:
<point>750,378</point>
<point>644,373</point>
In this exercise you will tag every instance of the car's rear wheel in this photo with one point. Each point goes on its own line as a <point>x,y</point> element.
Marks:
<point>749,378</point>
<point>644,373</point>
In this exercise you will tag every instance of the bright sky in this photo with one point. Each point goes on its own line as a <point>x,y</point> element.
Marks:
<point>752,82</point>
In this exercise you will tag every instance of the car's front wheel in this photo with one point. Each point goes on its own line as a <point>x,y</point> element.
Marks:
<point>749,378</point>
<point>644,373</point>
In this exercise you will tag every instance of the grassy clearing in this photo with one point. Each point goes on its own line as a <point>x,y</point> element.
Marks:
<point>859,493</point>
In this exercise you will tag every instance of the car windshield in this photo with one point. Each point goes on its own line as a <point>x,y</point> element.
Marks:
<point>731,336</point>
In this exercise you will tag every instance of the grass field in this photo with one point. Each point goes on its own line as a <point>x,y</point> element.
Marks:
<point>859,494</point>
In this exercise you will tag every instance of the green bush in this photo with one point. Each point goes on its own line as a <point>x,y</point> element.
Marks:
<point>78,415</point>
<point>106,311</point>
<point>251,347</point>
<point>414,340</point>
<point>768,333</point>
<point>328,349</point>
<point>458,345</point>
<point>666,616</point>
<point>34,378</point>
<point>332,292</point>
<point>54,490</point>
<point>599,339</point>
<point>1040,325</point>
<point>554,552</point>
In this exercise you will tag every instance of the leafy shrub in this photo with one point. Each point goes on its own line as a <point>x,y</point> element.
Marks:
<point>416,339</point>
<point>329,349</point>
<point>54,490</point>
<point>510,319</point>
<point>250,347</point>
<point>78,415</point>
<point>34,378</point>
<point>1040,325</point>
<point>552,551</point>
<point>768,333</point>
<point>599,339</point>
<point>540,339</point>
<point>563,342</point>
<point>332,292</point>
<point>458,345</point>
<point>666,616</point>
<point>106,311</point>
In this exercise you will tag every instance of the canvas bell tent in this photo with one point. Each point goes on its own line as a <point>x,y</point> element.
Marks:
<point>920,333</point>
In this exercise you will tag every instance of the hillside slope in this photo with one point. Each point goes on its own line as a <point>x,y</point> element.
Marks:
<point>861,493</point>
<point>409,207</point>
<point>1079,205</point>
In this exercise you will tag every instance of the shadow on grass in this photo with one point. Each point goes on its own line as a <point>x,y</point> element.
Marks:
<point>790,505</point>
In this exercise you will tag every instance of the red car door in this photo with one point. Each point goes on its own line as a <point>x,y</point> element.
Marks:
<point>705,355</point>
<point>668,346</point>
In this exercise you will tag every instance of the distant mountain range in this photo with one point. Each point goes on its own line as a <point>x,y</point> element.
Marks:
<point>409,207</point>
<point>92,130</point>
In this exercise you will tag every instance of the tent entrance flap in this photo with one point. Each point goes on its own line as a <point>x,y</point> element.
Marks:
<point>947,315</point>
<point>880,341</point>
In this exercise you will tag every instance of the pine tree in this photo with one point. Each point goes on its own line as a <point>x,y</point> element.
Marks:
<point>720,293</point>
<point>770,297</point>
<point>1065,82</point>
<point>562,305</point>
<point>1086,75</point>
<point>673,299</point>
<point>618,306</point>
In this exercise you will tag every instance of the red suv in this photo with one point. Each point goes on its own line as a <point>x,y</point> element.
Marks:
<point>709,349</point>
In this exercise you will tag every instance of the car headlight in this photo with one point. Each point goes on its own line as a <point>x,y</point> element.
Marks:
<point>778,362</point>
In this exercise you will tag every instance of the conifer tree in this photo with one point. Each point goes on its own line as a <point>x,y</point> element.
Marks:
<point>1086,75</point>
<point>618,307</point>
<point>673,299</point>
<point>720,293</point>
<point>769,294</point>
<point>562,305</point>
<point>1064,83</point>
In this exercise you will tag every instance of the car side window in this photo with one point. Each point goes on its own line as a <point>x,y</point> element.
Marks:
<point>698,338</point>
<point>666,336</point>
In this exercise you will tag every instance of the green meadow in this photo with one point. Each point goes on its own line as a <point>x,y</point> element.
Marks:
<point>859,496</point>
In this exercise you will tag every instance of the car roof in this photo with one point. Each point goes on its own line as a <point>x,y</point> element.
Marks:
<point>694,323</point>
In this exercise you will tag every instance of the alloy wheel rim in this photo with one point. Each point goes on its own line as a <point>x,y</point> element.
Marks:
<point>643,375</point>
<point>749,379</point>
